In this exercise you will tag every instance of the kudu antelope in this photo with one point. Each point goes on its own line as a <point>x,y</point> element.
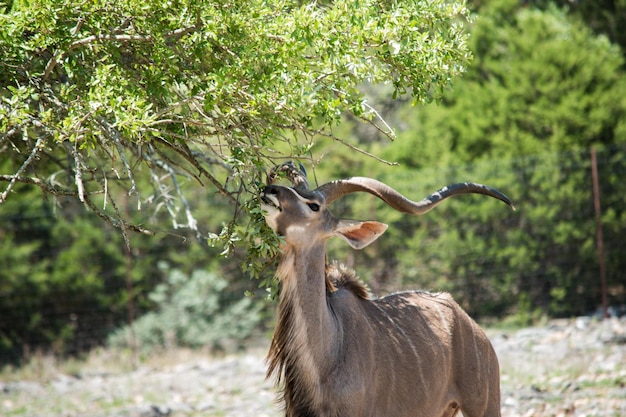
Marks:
<point>338,353</point>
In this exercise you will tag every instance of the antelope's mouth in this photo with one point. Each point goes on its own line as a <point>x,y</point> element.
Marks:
<point>271,207</point>
<point>269,202</point>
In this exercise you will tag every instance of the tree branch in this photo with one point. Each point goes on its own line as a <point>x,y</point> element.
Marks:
<point>45,186</point>
<point>192,223</point>
<point>114,135</point>
<point>118,223</point>
<point>188,155</point>
<point>58,191</point>
<point>26,163</point>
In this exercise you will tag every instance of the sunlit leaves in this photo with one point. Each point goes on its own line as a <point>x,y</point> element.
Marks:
<point>214,91</point>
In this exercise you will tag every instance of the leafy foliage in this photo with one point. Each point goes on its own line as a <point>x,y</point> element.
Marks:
<point>111,91</point>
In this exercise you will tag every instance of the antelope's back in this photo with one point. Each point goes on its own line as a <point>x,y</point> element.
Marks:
<point>422,319</point>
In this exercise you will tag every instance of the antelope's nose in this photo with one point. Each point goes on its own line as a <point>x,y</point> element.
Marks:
<point>270,189</point>
<point>269,194</point>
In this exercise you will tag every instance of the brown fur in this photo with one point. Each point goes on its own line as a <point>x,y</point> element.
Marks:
<point>298,395</point>
<point>283,353</point>
<point>281,359</point>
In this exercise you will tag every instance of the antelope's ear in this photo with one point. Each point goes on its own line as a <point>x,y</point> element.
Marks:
<point>359,234</point>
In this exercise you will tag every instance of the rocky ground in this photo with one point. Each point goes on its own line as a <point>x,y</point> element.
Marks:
<point>566,368</point>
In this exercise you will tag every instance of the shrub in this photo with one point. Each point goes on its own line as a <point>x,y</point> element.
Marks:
<point>191,311</point>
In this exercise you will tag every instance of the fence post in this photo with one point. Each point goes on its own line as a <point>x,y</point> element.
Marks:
<point>600,243</point>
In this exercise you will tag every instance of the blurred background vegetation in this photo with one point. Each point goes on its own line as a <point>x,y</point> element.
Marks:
<point>546,85</point>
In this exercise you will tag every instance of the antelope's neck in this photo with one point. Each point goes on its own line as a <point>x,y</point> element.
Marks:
<point>303,308</point>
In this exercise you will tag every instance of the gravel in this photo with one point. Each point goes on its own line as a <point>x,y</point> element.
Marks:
<point>565,368</point>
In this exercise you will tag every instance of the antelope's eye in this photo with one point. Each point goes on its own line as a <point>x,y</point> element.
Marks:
<point>313,206</point>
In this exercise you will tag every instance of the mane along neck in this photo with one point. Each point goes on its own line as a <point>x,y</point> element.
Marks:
<point>339,276</point>
<point>302,348</point>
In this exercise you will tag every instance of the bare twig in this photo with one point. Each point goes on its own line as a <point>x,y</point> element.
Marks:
<point>78,172</point>
<point>389,133</point>
<point>357,149</point>
<point>21,169</point>
<point>193,161</point>
<point>45,186</point>
<point>6,135</point>
<point>166,158</point>
<point>192,223</point>
<point>121,221</point>
<point>106,190</point>
<point>114,135</point>
<point>118,223</point>
<point>60,191</point>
